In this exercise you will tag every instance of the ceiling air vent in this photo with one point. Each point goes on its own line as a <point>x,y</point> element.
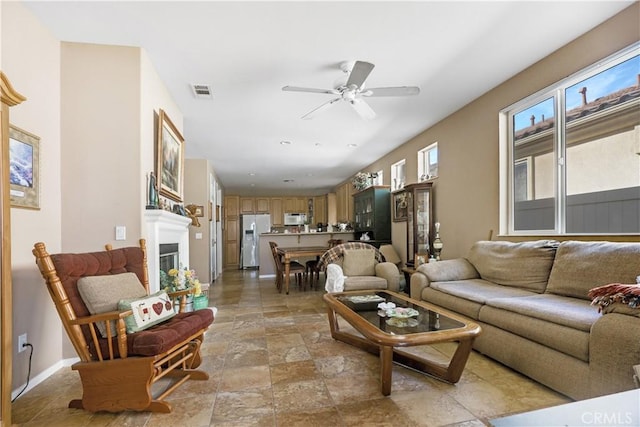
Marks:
<point>202,91</point>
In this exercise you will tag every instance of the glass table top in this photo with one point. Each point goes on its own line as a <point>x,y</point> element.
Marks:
<point>406,318</point>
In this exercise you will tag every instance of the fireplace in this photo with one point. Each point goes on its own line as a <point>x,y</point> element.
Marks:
<point>169,256</point>
<point>167,237</point>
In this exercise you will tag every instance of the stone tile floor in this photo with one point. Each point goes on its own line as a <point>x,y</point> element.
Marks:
<point>272,362</point>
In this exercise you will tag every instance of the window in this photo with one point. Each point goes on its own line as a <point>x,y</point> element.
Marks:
<point>573,154</point>
<point>378,178</point>
<point>397,175</point>
<point>428,162</point>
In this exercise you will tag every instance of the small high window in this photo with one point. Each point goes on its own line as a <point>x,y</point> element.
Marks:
<point>428,162</point>
<point>398,175</point>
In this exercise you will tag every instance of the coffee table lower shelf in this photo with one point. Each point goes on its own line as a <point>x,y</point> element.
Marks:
<point>388,346</point>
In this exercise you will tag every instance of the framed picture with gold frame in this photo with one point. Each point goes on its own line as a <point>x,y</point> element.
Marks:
<point>170,158</point>
<point>399,206</point>
<point>24,168</point>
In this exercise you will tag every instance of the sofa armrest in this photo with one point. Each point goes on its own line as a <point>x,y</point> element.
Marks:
<point>390,272</point>
<point>441,271</point>
<point>613,351</point>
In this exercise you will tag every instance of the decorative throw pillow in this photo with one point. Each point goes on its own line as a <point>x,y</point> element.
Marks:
<point>147,311</point>
<point>102,293</point>
<point>359,262</point>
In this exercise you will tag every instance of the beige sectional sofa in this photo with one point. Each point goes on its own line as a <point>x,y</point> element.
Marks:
<point>531,300</point>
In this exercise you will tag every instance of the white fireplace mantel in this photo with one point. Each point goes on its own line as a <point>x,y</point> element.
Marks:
<point>164,227</point>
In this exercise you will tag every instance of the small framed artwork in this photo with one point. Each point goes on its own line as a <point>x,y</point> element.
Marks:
<point>400,206</point>
<point>198,211</point>
<point>24,169</point>
<point>170,151</point>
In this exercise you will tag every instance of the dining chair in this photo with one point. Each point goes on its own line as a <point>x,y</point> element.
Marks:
<point>313,267</point>
<point>294,268</point>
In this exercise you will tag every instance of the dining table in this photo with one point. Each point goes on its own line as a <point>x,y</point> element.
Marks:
<point>289,253</point>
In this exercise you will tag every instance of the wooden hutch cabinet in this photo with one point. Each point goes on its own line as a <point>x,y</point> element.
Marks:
<point>420,231</point>
<point>372,214</point>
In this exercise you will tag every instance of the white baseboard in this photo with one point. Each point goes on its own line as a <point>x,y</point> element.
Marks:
<point>44,375</point>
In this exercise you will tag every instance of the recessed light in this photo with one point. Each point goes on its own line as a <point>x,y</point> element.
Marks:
<point>252,174</point>
<point>352,145</point>
<point>285,142</point>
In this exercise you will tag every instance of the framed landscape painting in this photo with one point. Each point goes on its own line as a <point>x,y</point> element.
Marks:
<point>24,168</point>
<point>170,150</point>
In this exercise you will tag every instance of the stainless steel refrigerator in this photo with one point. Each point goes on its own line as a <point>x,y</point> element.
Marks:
<point>252,227</point>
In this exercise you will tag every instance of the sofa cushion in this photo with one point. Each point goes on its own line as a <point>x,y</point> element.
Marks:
<point>523,265</point>
<point>356,283</point>
<point>580,266</point>
<point>102,293</point>
<point>565,339</point>
<point>478,290</point>
<point>462,306</point>
<point>571,312</point>
<point>359,262</point>
<point>449,269</point>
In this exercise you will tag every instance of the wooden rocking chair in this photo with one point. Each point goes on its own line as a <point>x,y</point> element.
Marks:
<point>117,372</point>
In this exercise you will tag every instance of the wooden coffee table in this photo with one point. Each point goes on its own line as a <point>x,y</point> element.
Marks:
<point>384,335</point>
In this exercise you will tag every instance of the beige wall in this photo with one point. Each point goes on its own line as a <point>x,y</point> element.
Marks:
<point>467,190</point>
<point>93,107</point>
<point>197,191</point>
<point>101,139</point>
<point>33,65</point>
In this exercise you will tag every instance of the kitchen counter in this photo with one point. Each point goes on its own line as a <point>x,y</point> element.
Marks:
<point>267,267</point>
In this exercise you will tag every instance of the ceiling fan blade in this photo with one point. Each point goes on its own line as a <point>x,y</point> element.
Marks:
<point>362,108</point>
<point>309,89</point>
<point>311,114</point>
<point>359,73</point>
<point>392,91</point>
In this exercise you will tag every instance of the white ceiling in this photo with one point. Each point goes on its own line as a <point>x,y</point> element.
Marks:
<point>247,51</point>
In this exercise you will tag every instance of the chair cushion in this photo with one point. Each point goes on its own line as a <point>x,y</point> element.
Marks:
<point>167,335</point>
<point>147,311</point>
<point>357,283</point>
<point>359,262</point>
<point>102,294</point>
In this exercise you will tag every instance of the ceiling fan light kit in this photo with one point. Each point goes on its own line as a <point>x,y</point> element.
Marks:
<point>353,90</point>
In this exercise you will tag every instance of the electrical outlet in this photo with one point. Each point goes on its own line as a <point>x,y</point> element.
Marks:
<point>22,340</point>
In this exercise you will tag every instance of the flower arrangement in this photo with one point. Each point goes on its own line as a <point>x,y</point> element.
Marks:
<point>362,180</point>
<point>180,279</point>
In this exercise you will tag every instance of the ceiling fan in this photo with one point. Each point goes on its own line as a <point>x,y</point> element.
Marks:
<point>353,90</point>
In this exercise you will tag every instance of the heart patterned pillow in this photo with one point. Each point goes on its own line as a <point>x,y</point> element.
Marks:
<point>147,311</point>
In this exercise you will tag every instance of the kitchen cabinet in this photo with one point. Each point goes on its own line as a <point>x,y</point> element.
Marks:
<point>232,245</point>
<point>320,209</point>
<point>277,214</point>
<point>372,214</point>
<point>231,234</point>
<point>419,198</point>
<point>290,205</point>
<point>231,206</point>
<point>247,205</point>
<point>262,205</point>
<point>302,205</point>
<point>296,205</point>
<point>344,203</point>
